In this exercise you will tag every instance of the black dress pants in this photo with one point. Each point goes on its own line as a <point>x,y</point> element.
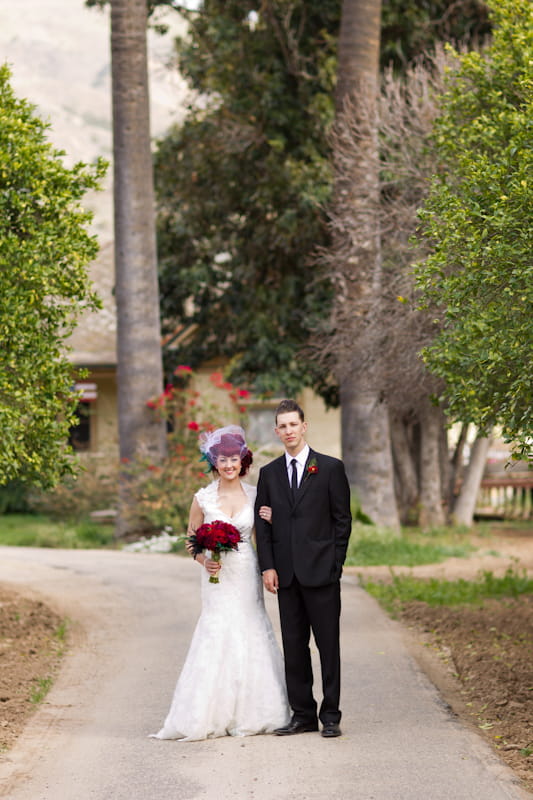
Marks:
<point>303,609</point>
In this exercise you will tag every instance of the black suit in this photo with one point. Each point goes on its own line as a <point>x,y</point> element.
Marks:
<point>306,544</point>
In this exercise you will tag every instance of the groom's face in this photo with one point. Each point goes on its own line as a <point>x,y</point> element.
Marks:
<point>291,431</point>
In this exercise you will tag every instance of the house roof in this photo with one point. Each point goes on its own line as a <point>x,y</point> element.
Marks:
<point>93,341</point>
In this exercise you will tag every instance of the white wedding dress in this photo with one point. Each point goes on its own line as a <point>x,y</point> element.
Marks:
<point>232,682</point>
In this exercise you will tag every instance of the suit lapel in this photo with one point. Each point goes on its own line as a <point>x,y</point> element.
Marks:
<point>281,472</point>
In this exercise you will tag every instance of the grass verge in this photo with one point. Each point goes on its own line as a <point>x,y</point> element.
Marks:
<point>35,530</point>
<point>371,546</point>
<point>435,592</point>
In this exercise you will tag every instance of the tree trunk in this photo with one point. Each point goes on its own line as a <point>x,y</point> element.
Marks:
<point>405,471</point>
<point>456,466</point>
<point>140,373</point>
<point>431,505</point>
<point>367,453</point>
<point>365,420</point>
<point>359,42</point>
<point>463,512</point>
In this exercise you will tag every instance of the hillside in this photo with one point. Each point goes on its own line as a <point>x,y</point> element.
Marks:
<point>58,51</point>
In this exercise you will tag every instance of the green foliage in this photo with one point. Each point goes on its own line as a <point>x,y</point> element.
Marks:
<point>240,187</point>
<point>44,248</point>
<point>35,530</point>
<point>410,28</point>
<point>14,497</point>
<point>478,218</point>
<point>372,547</point>
<point>435,592</point>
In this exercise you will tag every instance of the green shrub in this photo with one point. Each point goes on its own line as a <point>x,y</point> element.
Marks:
<point>14,497</point>
<point>93,488</point>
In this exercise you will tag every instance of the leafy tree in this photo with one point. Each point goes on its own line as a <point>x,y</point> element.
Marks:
<point>478,219</point>
<point>241,184</point>
<point>44,249</point>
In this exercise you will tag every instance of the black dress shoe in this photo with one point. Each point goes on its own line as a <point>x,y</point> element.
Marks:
<point>296,726</point>
<point>330,730</point>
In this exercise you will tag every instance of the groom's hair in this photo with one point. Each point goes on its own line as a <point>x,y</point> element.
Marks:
<point>286,406</point>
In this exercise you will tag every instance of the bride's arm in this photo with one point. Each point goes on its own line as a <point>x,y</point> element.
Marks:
<point>196,517</point>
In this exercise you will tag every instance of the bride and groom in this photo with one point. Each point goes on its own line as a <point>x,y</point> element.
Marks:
<point>234,680</point>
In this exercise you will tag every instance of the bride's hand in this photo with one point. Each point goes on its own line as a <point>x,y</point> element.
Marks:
<point>265,512</point>
<point>212,566</point>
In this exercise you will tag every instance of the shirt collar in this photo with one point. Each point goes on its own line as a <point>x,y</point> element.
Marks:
<point>301,458</point>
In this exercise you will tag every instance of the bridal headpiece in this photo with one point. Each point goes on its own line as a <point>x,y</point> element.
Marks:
<point>227,441</point>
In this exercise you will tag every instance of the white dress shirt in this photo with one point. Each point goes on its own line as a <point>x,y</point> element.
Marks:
<point>301,458</point>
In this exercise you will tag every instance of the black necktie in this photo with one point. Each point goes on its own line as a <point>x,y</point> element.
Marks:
<point>294,477</point>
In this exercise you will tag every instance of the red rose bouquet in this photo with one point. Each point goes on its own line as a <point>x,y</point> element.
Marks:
<point>216,536</point>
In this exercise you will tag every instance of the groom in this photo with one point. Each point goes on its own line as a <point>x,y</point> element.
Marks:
<point>301,553</point>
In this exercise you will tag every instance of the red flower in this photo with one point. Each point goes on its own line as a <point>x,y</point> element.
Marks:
<point>151,404</point>
<point>216,536</point>
<point>312,467</point>
<point>182,368</point>
<point>244,393</point>
<point>193,426</point>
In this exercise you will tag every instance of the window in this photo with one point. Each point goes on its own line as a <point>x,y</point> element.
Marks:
<point>80,433</point>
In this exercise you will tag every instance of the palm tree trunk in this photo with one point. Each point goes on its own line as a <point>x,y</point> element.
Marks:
<point>140,373</point>
<point>365,419</point>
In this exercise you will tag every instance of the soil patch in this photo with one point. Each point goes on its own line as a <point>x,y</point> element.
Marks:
<point>31,645</point>
<point>486,670</point>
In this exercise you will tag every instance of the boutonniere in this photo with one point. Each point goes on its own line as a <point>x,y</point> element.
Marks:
<point>312,468</point>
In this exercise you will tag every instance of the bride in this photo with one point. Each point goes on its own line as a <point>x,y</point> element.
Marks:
<point>232,682</point>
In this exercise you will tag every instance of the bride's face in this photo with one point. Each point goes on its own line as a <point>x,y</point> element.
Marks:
<point>228,466</point>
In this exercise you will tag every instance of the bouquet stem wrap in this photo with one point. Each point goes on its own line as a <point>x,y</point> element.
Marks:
<point>216,557</point>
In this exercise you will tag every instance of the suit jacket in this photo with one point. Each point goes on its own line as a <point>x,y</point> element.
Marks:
<point>309,535</point>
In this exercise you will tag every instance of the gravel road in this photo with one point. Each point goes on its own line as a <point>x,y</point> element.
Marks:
<point>132,616</point>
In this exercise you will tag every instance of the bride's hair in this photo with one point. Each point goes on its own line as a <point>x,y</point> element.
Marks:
<point>227,441</point>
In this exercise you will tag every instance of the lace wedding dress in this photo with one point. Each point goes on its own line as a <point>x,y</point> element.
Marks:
<point>232,682</point>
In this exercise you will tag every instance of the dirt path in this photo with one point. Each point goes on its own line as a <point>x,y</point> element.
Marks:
<point>133,616</point>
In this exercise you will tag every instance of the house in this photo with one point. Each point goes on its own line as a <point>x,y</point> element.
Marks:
<point>94,350</point>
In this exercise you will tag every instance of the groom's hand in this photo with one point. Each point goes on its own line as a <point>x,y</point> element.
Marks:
<point>270,580</point>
